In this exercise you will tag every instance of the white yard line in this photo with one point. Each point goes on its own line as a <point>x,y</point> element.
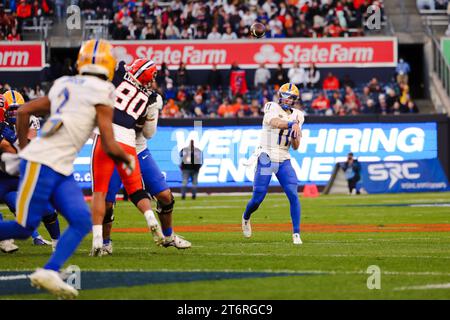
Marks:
<point>425,287</point>
<point>250,270</point>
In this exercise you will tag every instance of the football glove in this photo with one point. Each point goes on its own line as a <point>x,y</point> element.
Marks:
<point>8,134</point>
<point>130,166</point>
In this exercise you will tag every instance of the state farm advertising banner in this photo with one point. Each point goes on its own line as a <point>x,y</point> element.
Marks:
<point>22,56</point>
<point>326,52</point>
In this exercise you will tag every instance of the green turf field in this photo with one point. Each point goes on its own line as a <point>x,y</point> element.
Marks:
<point>406,235</point>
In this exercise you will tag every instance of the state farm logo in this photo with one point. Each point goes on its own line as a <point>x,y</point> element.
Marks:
<point>267,53</point>
<point>12,58</point>
<point>121,54</point>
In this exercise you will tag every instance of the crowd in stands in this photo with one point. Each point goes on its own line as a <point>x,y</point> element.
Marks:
<point>231,19</point>
<point>15,14</point>
<point>432,4</point>
<point>227,94</point>
<point>233,97</point>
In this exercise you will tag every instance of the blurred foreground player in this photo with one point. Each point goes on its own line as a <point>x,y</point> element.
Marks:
<point>281,129</point>
<point>133,97</point>
<point>154,182</point>
<point>9,179</point>
<point>76,104</point>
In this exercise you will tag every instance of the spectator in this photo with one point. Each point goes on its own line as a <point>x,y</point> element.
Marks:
<point>214,34</point>
<point>279,76</point>
<point>172,32</point>
<point>120,32</point>
<point>215,78</point>
<point>321,104</point>
<point>374,86</point>
<point>23,12</point>
<point>182,78</point>
<point>229,34</point>
<point>13,36</point>
<point>330,82</point>
<point>198,107</point>
<point>411,107</point>
<point>297,75</point>
<point>226,110</point>
<point>262,76</point>
<point>370,107</point>
<point>352,170</point>
<point>242,110</point>
<point>213,106</point>
<point>312,77</point>
<point>170,110</point>
<point>403,69</point>
<point>396,108</point>
<point>191,162</point>
<point>255,109</point>
<point>383,106</point>
<point>350,98</point>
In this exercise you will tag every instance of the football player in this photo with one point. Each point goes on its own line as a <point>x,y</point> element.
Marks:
<point>133,96</point>
<point>77,104</point>
<point>281,129</point>
<point>154,182</point>
<point>9,181</point>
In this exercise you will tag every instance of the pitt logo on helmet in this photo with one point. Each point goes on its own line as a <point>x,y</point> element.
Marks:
<point>96,57</point>
<point>287,95</point>
<point>13,98</point>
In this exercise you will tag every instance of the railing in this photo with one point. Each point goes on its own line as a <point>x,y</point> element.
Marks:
<point>42,27</point>
<point>441,66</point>
<point>97,29</point>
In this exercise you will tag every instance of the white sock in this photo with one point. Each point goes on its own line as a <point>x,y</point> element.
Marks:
<point>150,217</point>
<point>97,234</point>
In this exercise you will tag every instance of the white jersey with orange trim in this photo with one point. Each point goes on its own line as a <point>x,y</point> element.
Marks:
<point>150,125</point>
<point>73,101</point>
<point>276,142</point>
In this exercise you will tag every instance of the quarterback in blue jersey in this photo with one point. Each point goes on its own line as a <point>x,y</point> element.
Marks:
<point>281,129</point>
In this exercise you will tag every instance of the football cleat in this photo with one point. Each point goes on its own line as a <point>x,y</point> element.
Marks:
<point>296,238</point>
<point>176,241</point>
<point>51,281</point>
<point>8,246</point>
<point>39,241</point>
<point>107,248</point>
<point>246,228</point>
<point>96,252</point>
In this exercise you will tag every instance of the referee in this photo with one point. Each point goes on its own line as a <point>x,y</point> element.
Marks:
<point>191,162</point>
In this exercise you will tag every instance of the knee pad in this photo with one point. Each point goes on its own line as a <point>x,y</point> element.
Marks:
<point>165,208</point>
<point>138,196</point>
<point>51,218</point>
<point>109,215</point>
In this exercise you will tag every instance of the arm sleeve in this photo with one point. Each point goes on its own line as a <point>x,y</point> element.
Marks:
<point>151,121</point>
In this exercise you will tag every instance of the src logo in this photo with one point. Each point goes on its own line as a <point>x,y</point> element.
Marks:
<point>393,171</point>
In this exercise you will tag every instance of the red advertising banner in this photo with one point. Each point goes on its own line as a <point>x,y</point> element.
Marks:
<point>22,56</point>
<point>326,52</point>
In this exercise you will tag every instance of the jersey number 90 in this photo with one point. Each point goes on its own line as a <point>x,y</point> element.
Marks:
<point>130,99</point>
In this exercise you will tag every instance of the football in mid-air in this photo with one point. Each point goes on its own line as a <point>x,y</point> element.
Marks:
<point>258,30</point>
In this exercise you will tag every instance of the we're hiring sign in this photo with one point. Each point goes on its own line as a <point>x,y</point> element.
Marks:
<point>250,53</point>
